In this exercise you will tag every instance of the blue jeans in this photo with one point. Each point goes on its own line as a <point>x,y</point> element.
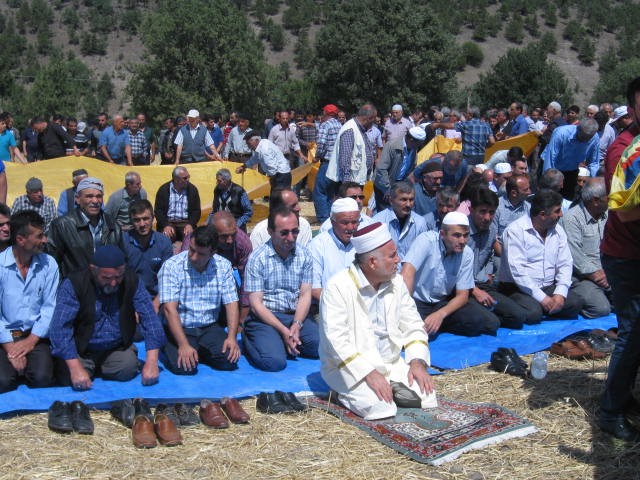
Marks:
<point>622,275</point>
<point>321,199</point>
<point>265,348</point>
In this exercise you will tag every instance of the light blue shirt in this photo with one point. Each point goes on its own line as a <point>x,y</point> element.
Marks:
<point>507,213</point>
<point>565,152</point>
<point>330,256</point>
<point>27,303</point>
<point>437,274</point>
<point>403,239</point>
<point>115,142</point>
<point>200,295</point>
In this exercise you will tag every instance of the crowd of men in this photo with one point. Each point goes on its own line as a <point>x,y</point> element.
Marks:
<point>453,244</point>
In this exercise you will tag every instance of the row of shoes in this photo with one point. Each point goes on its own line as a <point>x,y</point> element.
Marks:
<point>507,360</point>
<point>65,417</point>
<point>279,402</point>
<point>162,426</point>
<point>600,340</point>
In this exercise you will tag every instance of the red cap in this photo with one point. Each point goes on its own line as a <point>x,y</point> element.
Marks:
<point>330,109</point>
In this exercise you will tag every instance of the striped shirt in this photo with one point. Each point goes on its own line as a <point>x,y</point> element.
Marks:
<point>326,140</point>
<point>177,204</point>
<point>46,209</point>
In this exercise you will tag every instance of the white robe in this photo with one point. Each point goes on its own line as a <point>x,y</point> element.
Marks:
<point>348,345</point>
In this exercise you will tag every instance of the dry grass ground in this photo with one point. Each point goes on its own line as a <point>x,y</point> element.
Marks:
<point>317,445</point>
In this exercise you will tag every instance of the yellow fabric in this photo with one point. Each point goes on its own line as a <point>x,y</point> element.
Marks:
<point>56,177</point>
<point>526,141</point>
<point>438,144</point>
<point>620,197</point>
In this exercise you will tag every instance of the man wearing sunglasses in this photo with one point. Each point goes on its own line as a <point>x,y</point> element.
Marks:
<point>278,279</point>
<point>354,191</point>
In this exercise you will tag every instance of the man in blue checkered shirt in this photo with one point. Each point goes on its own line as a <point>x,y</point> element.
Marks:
<point>193,287</point>
<point>278,279</point>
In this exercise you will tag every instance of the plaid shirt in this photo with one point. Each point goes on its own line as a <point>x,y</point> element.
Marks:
<point>46,209</point>
<point>475,134</point>
<point>177,204</point>
<point>326,138</point>
<point>200,296</point>
<point>278,279</point>
<point>139,145</point>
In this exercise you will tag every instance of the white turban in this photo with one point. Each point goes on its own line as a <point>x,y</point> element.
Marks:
<point>370,237</point>
<point>455,218</point>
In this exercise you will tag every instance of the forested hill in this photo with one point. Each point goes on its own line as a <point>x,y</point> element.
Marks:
<point>84,56</point>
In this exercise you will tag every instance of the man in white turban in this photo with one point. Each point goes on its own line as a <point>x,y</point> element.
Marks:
<point>367,319</point>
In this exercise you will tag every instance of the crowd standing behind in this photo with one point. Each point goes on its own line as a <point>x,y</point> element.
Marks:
<point>455,244</point>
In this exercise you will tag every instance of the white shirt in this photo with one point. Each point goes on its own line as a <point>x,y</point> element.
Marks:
<point>260,233</point>
<point>270,158</point>
<point>179,138</point>
<point>533,262</point>
<point>330,256</point>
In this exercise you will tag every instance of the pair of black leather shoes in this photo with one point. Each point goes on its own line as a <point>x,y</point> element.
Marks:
<point>180,413</point>
<point>126,410</point>
<point>506,360</point>
<point>66,417</point>
<point>279,402</point>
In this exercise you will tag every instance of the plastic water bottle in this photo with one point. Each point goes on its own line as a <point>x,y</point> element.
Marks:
<point>539,366</point>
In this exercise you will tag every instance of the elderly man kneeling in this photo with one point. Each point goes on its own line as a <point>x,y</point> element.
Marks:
<point>367,318</point>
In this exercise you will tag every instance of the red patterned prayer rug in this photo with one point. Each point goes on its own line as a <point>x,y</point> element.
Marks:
<point>440,434</point>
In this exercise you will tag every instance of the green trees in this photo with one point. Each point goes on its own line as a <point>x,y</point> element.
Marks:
<point>224,69</point>
<point>400,55</point>
<point>524,75</point>
<point>613,83</point>
<point>472,54</point>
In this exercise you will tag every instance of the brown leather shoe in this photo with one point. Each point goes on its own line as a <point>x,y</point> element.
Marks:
<point>569,349</point>
<point>211,415</point>
<point>589,352</point>
<point>234,410</point>
<point>166,431</point>
<point>142,432</point>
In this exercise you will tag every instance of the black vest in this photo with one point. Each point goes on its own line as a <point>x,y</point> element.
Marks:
<point>85,320</point>
<point>233,203</point>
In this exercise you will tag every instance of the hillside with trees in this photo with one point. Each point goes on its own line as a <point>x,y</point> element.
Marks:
<point>84,56</point>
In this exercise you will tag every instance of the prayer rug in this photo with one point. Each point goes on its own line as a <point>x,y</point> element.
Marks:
<point>437,435</point>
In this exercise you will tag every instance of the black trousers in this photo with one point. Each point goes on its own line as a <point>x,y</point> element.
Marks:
<point>208,343</point>
<point>572,305</point>
<point>510,314</point>
<point>471,320</point>
<point>37,374</point>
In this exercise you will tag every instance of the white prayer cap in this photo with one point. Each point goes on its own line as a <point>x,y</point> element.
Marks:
<point>193,113</point>
<point>502,167</point>
<point>397,106</point>
<point>342,205</point>
<point>455,218</point>
<point>583,172</point>
<point>370,237</point>
<point>418,133</point>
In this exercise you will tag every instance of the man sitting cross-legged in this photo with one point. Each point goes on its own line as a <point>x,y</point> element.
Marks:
<point>367,318</point>
<point>194,286</point>
<point>278,279</point>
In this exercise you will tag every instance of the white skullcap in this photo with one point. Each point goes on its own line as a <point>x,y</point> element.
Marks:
<point>193,113</point>
<point>455,218</point>
<point>583,172</point>
<point>502,167</point>
<point>418,133</point>
<point>481,167</point>
<point>397,106</point>
<point>342,205</point>
<point>370,237</point>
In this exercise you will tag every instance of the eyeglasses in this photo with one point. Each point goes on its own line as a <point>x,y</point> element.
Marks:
<point>293,231</point>
<point>357,197</point>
